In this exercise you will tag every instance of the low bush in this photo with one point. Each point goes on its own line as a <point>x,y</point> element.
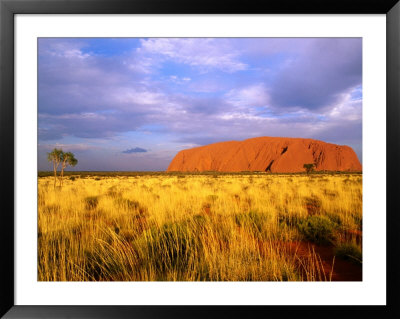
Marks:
<point>349,251</point>
<point>318,229</point>
<point>253,220</point>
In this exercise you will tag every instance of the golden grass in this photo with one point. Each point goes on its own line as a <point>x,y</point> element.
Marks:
<point>193,227</point>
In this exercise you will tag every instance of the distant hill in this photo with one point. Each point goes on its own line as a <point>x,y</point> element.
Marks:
<point>269,154</point>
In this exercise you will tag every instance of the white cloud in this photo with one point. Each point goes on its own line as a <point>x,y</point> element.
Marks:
<point>347,109</point>
<point>241,116</point>
<point>135,96</point>
<point>179,80</point>
<point>251,96</point>
<point>76,54</point>
<point>204,54</point>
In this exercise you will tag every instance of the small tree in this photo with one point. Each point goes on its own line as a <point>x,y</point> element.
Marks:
<point>67,159</point>
<point>55,157</point>
<point>309,167</point>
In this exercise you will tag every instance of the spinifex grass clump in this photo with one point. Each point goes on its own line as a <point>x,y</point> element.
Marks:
<point>109,259</point>
<point>253,221</point>
<point>171,248</point>
<point>313,205</point>
<point>196,227</point>
<point>91,202</point>
<point>318,229</point>
<point>127,203</point>
<point>349,251</point>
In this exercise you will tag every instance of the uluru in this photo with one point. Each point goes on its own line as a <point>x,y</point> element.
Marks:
<point>268,154</point>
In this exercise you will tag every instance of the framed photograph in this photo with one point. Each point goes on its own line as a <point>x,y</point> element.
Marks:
<point>167,159</point>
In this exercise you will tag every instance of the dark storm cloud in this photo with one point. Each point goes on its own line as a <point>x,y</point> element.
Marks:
<point>88,125</point>
<point>134,150</point>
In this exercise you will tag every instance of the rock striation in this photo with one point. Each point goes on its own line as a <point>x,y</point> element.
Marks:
<point>268,154</point>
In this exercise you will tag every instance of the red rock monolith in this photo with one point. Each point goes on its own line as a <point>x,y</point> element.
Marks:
<point>268,154</point>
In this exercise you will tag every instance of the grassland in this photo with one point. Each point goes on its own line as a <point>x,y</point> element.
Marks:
<point>196,227</point>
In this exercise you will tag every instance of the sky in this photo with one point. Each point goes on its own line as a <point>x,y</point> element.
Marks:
<point>130,104</point>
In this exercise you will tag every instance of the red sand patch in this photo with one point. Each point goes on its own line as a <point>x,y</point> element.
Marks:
<point>343,270</point>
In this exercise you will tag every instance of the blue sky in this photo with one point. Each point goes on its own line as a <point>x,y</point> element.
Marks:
<point>131,104</point>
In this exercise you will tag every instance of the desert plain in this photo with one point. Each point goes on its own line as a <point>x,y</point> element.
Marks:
<point>160,226</point>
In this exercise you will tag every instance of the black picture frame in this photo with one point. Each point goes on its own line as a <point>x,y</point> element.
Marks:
<point>8,8</point>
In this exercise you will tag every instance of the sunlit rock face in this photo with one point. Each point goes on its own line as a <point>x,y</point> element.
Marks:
<point>268,154</point>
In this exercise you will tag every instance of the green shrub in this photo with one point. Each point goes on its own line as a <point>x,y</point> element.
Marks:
<point>309,167</point>
<point>335,218</point>
<point>318,229</point>
<point>253,220</point>
<point>286,219</point>
<point>349,251</point>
